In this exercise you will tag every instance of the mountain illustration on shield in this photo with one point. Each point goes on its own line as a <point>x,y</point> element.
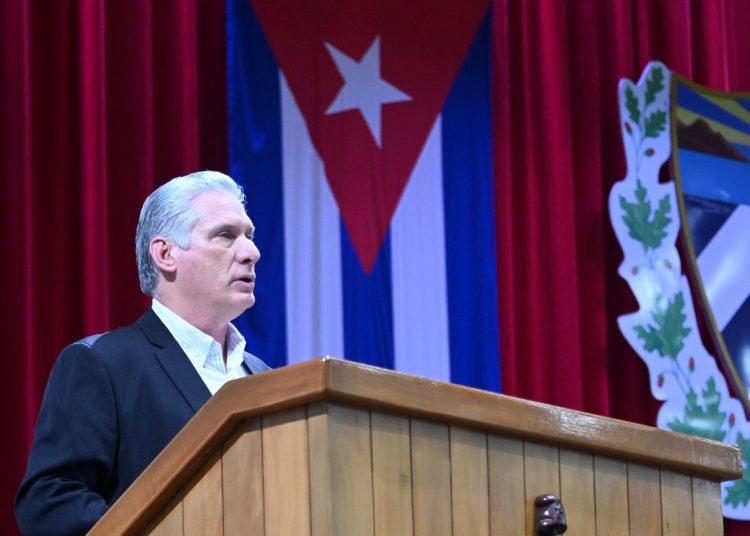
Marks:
<point>700,137</point>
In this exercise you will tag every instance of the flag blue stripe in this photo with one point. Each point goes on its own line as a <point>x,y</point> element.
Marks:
<point>368,308</point>
<point>255,162</point>
<point>469,222</point>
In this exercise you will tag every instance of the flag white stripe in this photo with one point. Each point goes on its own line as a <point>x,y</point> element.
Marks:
<point>723,265</point>
<point>418,270</point>
<point>312,244</point>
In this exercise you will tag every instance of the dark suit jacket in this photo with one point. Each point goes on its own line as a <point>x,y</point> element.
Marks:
<point>112,403</point>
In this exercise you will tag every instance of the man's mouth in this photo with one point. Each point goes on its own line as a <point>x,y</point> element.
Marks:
<point>247,280</point>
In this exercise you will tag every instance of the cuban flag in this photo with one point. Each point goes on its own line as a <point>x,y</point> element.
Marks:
<point>361,133</point>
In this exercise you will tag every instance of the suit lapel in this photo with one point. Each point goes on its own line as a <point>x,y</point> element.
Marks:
<point>174,361</point>
<point>252,364</point>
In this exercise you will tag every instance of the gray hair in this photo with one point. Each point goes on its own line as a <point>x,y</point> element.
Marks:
<point>169,212</point>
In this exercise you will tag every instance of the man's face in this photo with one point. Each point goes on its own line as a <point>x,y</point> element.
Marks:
<point>216,274</point>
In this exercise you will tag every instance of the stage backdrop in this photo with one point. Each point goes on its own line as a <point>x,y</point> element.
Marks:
<point>102,101</point>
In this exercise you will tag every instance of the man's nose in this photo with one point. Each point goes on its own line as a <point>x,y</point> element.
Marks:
<point>248,251</point>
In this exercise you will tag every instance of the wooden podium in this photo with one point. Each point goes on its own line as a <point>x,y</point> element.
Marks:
<point>330,447</point>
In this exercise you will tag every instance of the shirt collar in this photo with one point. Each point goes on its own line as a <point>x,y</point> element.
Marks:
<point>202,349</point>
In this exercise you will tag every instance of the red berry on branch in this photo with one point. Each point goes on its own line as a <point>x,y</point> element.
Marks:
<point>650,152</point>
<point>660,381</point>
<point>731,419</point>
<point>627,127</point>
<point>691,364</point>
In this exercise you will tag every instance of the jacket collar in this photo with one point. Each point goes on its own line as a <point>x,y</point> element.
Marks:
<point>174,361</point>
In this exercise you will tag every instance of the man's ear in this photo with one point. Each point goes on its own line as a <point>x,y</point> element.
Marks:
<point>161,251</point>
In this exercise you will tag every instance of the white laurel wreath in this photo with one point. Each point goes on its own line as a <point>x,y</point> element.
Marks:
<point>655,277</point>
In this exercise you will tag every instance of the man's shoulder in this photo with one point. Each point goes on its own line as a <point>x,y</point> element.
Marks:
<point>117,342</point>
<point>91,359</point>
<point>107,338</point>
<point>111,339</point>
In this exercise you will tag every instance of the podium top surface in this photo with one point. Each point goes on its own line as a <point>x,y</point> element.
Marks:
<point>349,383</point>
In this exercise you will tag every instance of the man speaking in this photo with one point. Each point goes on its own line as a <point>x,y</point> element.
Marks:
<point>113,401</point>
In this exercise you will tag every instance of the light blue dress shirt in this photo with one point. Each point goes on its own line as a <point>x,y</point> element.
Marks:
<point>203,351</point>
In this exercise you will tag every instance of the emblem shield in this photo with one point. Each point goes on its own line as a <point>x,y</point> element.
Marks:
<point>711,169</point>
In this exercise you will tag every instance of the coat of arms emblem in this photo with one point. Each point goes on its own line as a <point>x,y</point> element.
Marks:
<point>711,168</point>
<point>705,135</point>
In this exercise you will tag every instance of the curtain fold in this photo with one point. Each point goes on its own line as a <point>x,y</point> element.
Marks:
<point>102,101</point>
<point>99,103</point>
<point>557,154</point>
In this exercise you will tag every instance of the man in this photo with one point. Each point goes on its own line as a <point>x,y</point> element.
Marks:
<point>113,401</point>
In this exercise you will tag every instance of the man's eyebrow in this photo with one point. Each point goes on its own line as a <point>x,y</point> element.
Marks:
<point>222,227</point>
<point>238,228</point>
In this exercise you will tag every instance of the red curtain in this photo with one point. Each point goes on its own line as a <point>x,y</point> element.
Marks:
<point>101,101</point>
<point>557,154</point>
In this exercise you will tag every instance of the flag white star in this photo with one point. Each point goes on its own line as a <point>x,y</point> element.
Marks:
<point>363,88</point>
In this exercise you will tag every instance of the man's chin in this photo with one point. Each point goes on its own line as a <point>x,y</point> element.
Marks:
<point>244,303</point>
